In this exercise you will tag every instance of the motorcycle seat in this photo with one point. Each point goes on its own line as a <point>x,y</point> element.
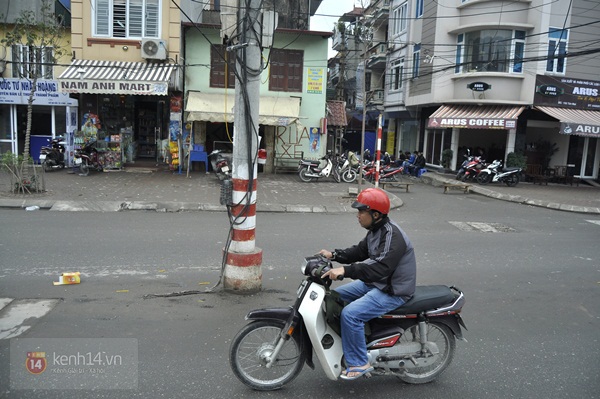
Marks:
<point>426,297</point>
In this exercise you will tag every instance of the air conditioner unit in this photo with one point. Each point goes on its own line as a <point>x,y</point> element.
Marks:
<point>154,49</point>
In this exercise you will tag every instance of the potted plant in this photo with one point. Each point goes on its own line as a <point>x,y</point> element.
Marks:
<point>447,158</point>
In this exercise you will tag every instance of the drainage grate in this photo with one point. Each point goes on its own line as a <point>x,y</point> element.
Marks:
<point>483,227</point>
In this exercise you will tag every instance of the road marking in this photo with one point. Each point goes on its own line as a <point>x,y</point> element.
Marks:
<point>482,227</point>
<point>19,315</point>
<point>594,221</point>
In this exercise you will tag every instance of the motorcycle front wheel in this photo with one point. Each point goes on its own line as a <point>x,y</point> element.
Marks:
<point>349,175</point>
<point>303,176</point>
<point>512,180</point>
<point>431,363</point>
<point>484,178</point>
<point>251,349</point>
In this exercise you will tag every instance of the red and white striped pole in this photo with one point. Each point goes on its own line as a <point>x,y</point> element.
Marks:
<point>242,273</point>
<point>378,152</point>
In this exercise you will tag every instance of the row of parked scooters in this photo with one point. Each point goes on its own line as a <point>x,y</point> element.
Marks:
<point>53,156</point>
<point>474,168</point>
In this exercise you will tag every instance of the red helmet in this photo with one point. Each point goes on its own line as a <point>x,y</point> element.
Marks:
<point>373,199</point>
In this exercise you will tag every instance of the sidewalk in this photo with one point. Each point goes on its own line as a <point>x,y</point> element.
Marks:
<point>161,190</point>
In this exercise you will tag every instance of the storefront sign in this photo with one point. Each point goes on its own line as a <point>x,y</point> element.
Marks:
<point>315,81</point>
<point>580,129</point>
<point>567,92</point>
<point>479,86</point>
<point>471,123</point>
<point>113,87</point>
<point>17,91</point>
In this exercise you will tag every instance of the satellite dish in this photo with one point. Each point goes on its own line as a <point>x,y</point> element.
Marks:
<point>150,47</point>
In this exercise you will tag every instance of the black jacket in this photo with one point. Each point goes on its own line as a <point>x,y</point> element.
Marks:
<point>385,258</point>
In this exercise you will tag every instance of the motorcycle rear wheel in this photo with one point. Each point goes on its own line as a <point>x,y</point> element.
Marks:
<point>253,345</point>
<point>47,167</point>
<point>442,336</point>
<point>303,176</point>
<point>84,168</point>
<point>512,180</point>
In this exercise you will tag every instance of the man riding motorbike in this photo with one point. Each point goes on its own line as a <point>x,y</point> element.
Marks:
<point>383,265</point>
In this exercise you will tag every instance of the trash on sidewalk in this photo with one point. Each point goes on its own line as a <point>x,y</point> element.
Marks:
<point>68,278</point>
<point>32,208</point>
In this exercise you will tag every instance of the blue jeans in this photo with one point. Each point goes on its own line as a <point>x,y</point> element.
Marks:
<point>366,303</point>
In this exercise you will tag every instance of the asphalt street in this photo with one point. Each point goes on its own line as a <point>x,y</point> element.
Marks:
<point>530,275</point>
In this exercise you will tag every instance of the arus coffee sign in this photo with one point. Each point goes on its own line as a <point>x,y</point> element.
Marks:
<point>567,92</point>
<point>471,123</point>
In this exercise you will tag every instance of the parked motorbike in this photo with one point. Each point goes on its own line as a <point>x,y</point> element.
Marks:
<point>87,158</point>
<point>310,170</point>
<point>53,156</point>
<point>472,169</point>
<point>496,173</point>
<point>389,174</point>
<point>220,164</point>
<point>347,166</point>
<point>415,342</point>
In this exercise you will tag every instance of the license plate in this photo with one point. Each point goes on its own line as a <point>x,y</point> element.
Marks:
<point>42,156</point>
<point>225,169</point>
<point>77,161</point>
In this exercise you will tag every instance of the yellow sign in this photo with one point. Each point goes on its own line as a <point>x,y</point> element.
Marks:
<point>315,81</point>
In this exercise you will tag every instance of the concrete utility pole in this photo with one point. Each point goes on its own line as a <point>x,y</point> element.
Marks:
<point>243,273</point>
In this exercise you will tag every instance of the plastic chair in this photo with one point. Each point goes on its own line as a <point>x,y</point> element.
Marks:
<point>199,155</point>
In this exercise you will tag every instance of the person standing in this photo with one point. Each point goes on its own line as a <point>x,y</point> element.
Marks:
<point>384,268</point>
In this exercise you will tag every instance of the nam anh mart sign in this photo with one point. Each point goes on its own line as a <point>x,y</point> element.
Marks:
<point>47,92</point>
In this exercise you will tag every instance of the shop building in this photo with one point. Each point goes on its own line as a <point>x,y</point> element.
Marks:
<point>125,74</point>
<point>292,108</point>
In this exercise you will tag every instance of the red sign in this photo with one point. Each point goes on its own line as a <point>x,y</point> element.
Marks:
<point>36,362</point>
<point>471,123</point>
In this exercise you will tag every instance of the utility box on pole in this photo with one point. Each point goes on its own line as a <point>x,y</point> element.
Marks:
<point>243,273</point>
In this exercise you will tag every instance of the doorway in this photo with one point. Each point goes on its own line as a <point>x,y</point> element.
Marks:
<point>583,153</point>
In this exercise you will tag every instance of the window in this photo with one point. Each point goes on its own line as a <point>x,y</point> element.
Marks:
<point>416,60</point>
<point>30,62</point>
<point>286,70</point>
<point>222,73</point>
<point>490,51</point>
<point>126,18</point>
<point>399,19</point>
<point>397,72</point>
<point>557,49</point>
<point>419,9</point>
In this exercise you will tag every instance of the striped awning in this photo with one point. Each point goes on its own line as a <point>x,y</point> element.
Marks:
<point>580,122</point>
<point>475,117</point>
<point>116,77</point>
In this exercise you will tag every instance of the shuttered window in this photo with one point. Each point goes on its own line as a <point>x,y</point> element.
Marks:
<point>219,69</point>
<point>286,70</point>
<point>126,18</point>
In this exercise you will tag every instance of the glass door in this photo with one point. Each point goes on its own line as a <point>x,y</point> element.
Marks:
<point>583,153</point>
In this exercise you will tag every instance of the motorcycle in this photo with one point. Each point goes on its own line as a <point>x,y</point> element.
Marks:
<point>389,174</point>
<point>87,158</point>
<point>472,169</point>
<point>309,170</point>
<point>496,173</point>
<point>347,166</point>
<point>415,342</point>
<point>220,164</point>
<point>53,156</point>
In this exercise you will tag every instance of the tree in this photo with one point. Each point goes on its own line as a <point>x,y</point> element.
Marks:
<point>40,33</point>
<point>37,38</point>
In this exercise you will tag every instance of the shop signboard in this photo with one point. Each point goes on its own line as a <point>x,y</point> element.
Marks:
<point>17,91</point>
<point>472,123</point>
<point>566,92</point>
<point>114,87</point>
<point>580,129</point>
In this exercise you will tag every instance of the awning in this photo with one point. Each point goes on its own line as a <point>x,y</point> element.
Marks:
<point>475,117</point>
<point>336,113</point>
<point>213,107</point>
<point>116,77</point>
<point>580,122</point>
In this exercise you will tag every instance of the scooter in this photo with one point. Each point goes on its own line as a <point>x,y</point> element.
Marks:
<point>87,158</point>
<point>220,164</point>
<point>415,342</point>
<point>310,170</point>
<point>472,169</point>
<point>53,156</point>
<point>388,174</point>
<point>347,167</point>
<point>496,173</point>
